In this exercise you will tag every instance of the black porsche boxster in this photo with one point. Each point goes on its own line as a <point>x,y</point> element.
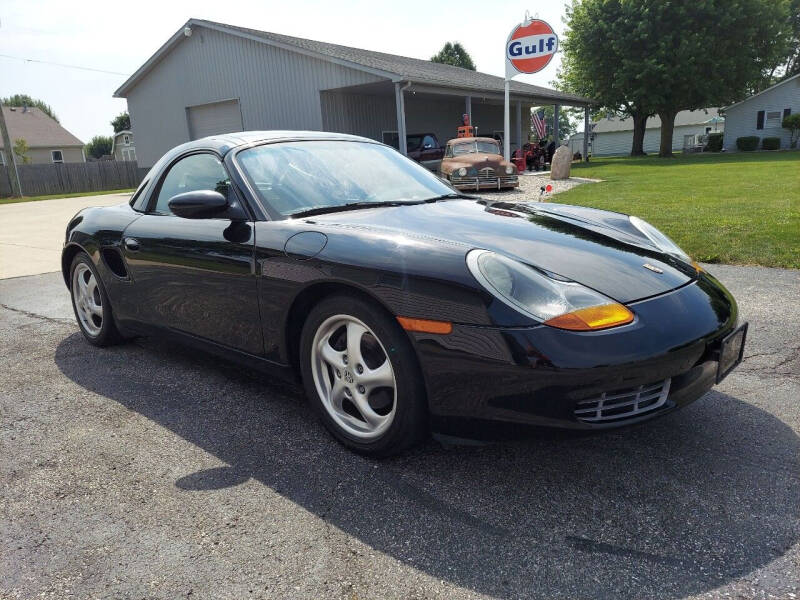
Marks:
<point>401,304</point>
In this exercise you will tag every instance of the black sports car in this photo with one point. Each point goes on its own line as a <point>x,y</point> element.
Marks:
<point>400,303</point>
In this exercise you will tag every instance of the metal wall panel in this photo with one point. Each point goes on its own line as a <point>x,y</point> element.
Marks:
<point>276,88</point>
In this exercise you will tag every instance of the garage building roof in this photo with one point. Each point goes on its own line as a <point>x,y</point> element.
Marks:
<point>394,67</point>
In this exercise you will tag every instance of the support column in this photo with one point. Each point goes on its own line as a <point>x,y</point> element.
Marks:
<point>506,125</point>
<point>519,125</point>
<point>468,108</point>
<point>401,117</point>
<point>556,110</point>
<point>586,133</point>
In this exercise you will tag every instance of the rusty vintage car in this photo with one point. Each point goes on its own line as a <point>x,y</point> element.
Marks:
<point>475,163</point>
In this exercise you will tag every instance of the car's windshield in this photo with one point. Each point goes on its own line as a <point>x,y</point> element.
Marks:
<point>475,146</point>
<point>292,177</point>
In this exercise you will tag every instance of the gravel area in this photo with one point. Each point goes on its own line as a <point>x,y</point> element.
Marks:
<point>530,186</point>
<point>148,471</point>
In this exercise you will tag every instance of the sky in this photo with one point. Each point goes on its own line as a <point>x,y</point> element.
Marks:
<point>120,36</point>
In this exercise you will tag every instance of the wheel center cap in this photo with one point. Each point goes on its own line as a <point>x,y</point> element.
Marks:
<point>348,376</point>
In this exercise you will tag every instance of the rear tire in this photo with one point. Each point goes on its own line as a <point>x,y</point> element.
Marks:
<point>361,374</point>
<point>91,304</point>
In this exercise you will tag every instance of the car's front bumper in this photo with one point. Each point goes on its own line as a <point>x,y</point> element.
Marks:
<point>542,375</point>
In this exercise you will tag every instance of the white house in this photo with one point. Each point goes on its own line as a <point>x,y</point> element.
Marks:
<point>613,136</point>
<point>761,114</point>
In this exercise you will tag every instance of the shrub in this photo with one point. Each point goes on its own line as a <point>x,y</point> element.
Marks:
<point>771,143</point>
<point>747,143</point>
<point>714,142</point>
<point>792,123</point>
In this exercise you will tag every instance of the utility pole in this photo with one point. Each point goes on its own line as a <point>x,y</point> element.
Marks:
<point>11,166</point>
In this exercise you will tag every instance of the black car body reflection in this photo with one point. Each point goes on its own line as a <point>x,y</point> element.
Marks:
<point>242,283</point>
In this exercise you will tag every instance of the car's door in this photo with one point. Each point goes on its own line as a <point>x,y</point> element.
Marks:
<point>195,276</point>
<point>431,155</point>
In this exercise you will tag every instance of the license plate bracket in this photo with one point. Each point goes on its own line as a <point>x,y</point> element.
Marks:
<point>731,351</point>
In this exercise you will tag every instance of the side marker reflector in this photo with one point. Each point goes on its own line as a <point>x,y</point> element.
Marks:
<point>592,318</point>
<point>425,325</point>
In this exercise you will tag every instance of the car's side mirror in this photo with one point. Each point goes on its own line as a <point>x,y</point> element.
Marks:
<point>200,204</point>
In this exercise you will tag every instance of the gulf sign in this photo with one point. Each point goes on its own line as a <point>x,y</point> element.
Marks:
<point>531,46</point>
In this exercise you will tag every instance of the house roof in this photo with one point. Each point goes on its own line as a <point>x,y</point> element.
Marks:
<point>772,87</point>
<point>391,66</point>
<point>36,128</point>
<point>685,117</point>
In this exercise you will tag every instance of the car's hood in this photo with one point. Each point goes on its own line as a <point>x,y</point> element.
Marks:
<point>597,248</point>
<point>479,160</point>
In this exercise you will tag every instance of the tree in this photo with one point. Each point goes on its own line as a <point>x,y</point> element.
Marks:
<point>792,64</point>
<point>664,56</point>
<point>792,123</point>
<point>121,122</point>
<point>25,100</point>
<point>608,76</point>
<point>21,150</point>
<point>100,145</point>
<point>453,53</point>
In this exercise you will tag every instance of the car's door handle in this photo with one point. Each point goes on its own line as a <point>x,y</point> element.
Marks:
<point>132,244</point>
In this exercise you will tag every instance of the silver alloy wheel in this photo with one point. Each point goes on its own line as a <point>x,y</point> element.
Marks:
<point>87,298</point>
<point>351,369</point>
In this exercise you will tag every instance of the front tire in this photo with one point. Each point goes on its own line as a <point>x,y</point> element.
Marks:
<point>361,375</point>
<point>91,304</point>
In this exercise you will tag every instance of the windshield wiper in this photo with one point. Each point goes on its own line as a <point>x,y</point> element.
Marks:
<point>321,210</point>
<point>450,196</point>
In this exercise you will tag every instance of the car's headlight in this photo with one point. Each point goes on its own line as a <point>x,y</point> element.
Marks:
<point>462,171</point>
<point>563,304</point>
<point>509,169</point>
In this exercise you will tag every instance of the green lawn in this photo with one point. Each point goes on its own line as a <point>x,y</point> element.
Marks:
<point>51,197</point>
<point>741,208</point>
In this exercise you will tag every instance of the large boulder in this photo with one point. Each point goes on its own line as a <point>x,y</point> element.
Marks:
<point>562,161</point>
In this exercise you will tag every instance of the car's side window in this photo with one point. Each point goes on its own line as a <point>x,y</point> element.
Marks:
<point>190,174</point>
<point>428,142</point>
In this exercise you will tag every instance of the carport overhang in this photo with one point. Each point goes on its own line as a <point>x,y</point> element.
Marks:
<point>400,88</point>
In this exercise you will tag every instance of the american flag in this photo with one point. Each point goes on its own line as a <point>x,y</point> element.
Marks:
<point>539,125</point>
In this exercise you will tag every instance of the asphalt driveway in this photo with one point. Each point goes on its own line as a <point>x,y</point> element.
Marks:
<point>149,471</point>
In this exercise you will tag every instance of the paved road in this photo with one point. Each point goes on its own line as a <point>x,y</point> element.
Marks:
<point>32,233</point>
<point>147,471</point>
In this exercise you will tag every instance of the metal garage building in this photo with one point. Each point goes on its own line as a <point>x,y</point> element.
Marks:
<point>213,78</point>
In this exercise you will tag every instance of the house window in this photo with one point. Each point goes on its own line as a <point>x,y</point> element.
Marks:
<point>773,119</point>
<point>57,156</point>
<point>126,139</point>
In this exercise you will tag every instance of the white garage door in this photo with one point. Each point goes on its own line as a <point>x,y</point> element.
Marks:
<point>214,118</point>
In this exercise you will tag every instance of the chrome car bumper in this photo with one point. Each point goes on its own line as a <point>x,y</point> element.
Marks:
<point>484,183</point>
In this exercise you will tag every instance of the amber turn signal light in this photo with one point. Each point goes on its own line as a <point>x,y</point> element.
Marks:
<point>592,318</point>
<point>425,325</point>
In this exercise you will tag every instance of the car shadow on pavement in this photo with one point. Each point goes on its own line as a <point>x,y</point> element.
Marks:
<point>677,507</point>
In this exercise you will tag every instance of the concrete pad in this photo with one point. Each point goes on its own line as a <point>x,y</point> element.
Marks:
<point>32,233</point>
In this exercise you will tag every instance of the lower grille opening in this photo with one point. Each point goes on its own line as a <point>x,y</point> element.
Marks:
<point>622,404</point>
